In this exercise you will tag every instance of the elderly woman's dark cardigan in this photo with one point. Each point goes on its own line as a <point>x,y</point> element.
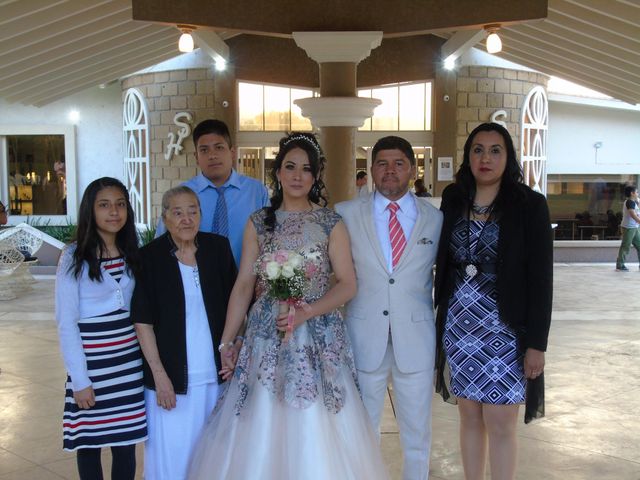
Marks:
<point>158,300</point>
<point>524,278</point>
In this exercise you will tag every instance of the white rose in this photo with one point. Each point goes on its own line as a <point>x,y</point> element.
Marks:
<point>272,270</point>
<point>295,260</point>
<point>287,270</point>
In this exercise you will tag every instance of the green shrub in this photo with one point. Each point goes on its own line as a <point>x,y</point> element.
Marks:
<point>63,233</point>
<point>146,235</point>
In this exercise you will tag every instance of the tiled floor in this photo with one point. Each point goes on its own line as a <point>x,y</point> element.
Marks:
<point>591,431</point>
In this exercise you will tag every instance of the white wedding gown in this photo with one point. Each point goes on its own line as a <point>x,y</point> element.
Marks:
<point>292,411</point>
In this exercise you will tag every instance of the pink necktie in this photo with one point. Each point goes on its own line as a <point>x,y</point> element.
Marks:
<point>396,235</point>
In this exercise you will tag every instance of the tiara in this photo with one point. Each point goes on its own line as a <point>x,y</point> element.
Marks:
<point>305,139</point>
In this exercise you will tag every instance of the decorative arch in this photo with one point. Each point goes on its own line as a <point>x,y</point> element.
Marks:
<point>136,155</point>
<point>533,144</point>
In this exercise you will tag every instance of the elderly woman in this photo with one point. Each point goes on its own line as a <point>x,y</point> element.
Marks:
<point>179,308</point>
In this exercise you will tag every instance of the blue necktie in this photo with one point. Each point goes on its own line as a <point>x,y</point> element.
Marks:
<point>220,218</point>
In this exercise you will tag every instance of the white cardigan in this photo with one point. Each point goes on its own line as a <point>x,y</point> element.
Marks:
<point>81,297</point>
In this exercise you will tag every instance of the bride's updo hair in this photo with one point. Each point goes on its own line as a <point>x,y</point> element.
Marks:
<point>317,194</point>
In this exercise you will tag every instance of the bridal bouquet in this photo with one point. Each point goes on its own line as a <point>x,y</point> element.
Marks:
<point>287,275</point>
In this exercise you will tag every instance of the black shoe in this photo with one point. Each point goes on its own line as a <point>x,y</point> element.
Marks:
<point>622,269</point>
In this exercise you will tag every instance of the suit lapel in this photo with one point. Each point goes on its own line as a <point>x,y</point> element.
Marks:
<point>418,228</point>
<point>369,228</point>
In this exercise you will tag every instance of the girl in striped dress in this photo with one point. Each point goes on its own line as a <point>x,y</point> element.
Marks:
<point>104,403</point>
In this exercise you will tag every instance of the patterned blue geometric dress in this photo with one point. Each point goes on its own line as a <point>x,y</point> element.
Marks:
<point>481,350</point>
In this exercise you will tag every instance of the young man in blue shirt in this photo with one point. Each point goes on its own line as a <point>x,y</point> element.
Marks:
<point>241,195</point>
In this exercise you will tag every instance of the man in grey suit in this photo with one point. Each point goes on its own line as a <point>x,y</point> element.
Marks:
<point>394,240</point>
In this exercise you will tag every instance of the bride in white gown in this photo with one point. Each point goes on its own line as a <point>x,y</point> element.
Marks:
<point>291,410</point>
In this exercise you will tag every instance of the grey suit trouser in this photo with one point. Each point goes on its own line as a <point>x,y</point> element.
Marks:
<point>413,393</point>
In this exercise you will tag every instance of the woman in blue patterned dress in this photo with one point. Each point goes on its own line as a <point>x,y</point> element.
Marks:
<point>104,404</point>
<point>292,409</point>
<point>493,293</point>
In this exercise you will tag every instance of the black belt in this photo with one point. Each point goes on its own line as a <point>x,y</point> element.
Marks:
<point>464,270</point>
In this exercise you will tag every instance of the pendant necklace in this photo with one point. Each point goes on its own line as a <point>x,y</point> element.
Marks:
<point>196,276</point>
<point>471,269</point>
<point>480,210</point>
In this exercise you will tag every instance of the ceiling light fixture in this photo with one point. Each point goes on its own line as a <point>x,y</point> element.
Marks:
<point>221,64</point>
<point>185,44</point>
<point>74,116</point>
<point>450,62</point>
<point>494,44</point>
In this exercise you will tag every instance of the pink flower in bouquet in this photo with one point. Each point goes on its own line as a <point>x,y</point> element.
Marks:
<point>281,256</point>
<point>309,269</point>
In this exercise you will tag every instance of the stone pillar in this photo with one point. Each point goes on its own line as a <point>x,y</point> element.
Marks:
<point>338,79</point>
<point>339,111</point>
<point>338,144</point>
<point>444,139</point>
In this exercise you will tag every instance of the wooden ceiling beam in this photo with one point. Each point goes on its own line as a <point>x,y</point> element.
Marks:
<point>549,68</point>
<point>82,64</point>
<point>57,58</point>
<point>20,49</point>
<point>96,76</point>
<point>282,17</point>
<point>41,18</point>
<point>579,45</point>
<point>591,66</point>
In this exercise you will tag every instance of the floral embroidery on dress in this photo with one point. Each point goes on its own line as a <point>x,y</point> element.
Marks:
<point>308,366</point>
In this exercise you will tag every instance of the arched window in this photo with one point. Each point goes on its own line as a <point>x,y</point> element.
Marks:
<point>533,146</point>
<point>136,155</point>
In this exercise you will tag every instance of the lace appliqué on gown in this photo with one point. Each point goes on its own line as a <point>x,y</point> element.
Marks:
<point>310,363</point>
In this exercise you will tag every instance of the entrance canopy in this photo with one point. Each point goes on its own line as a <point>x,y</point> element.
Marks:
<point>52,49</point>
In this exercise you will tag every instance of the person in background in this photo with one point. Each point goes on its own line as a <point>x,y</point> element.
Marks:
<point>420,189</point>
<point>493,292</point>
<point>630,227</point>
<point>178,308</point>
<point>104,401</point>
<point>394,240</point>
<point>226,197</point>
<point>362,189</point>
<point>4,216</point>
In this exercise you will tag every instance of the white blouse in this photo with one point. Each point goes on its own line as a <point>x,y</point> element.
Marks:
<point>200,357</point>
<point>82,297</point>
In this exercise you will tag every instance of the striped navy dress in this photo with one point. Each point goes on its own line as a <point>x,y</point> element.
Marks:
<point>114,363</point>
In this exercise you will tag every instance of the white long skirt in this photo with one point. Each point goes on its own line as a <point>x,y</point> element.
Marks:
<point>173,433</point>
<point>271,440</point>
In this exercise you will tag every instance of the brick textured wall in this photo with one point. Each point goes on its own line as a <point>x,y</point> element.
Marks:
<point>168,93</point>
<point>480,91</point>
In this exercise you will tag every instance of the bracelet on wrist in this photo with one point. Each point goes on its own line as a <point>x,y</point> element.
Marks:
<point>223,345</point>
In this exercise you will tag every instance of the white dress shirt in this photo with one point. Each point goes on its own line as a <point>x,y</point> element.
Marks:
<point>407,215</point>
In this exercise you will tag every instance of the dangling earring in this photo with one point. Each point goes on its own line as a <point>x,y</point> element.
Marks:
<point>315,189</point>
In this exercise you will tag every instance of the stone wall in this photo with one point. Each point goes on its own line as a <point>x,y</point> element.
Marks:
<point>167,93</point>
<point>480,91</point>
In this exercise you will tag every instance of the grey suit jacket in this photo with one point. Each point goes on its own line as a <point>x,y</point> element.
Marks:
<point>399,302</point>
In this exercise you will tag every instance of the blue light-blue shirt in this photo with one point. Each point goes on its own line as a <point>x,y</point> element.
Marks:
<point>244,195</point>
